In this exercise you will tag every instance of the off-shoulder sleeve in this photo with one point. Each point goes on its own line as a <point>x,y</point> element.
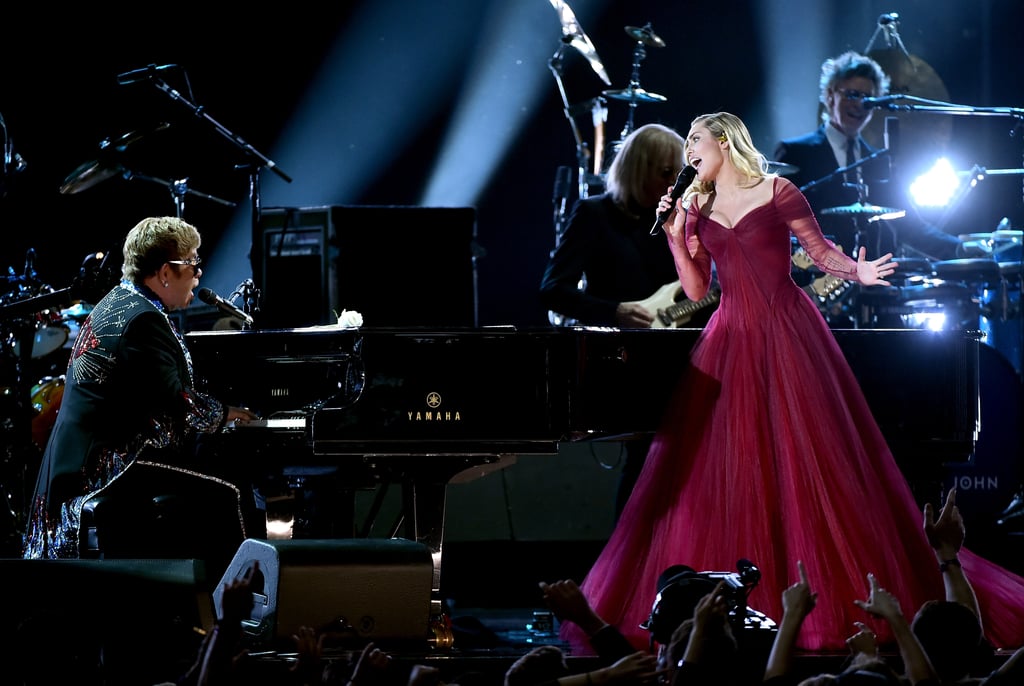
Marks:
<point>796,212</point>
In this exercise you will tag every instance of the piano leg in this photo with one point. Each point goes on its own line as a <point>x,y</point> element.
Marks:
<point>424,492</point>
<point>424,505</point>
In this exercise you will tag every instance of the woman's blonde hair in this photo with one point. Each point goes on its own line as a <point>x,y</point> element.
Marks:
<point>750,162</point>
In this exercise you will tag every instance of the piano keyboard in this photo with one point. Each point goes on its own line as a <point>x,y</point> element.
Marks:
<point>272,423</point>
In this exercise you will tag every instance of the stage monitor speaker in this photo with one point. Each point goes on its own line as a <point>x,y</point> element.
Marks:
<point>400,266</point>
<point>295,267</point>
<point>365,589</point>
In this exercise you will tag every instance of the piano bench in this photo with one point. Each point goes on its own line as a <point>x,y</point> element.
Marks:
<point>158,511</point>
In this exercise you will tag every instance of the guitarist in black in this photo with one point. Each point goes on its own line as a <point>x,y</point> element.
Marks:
<point>607,262</point>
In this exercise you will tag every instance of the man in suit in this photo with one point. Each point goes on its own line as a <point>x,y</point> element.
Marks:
<point>845,81</point>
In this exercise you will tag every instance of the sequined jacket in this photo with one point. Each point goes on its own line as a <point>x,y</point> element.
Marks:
<point>128,396</point>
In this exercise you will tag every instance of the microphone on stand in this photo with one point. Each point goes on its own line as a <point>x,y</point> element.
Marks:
<point>683,181</point>
<point>225,306</point>
<point>142,74</point>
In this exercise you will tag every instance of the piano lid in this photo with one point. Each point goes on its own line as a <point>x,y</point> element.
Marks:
<point>505,391</point>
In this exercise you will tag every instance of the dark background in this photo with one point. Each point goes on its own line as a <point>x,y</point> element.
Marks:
<point>248,68</point>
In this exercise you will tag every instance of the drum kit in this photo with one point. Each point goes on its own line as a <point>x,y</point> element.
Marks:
<point>38,327</point>
<point>593,165</point>
<point>980,291</point>
<point>39,324</point>
<point>37,338</point>
<point>111,163</point>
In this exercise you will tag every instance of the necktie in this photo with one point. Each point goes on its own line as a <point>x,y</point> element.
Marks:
<point>851,151</point>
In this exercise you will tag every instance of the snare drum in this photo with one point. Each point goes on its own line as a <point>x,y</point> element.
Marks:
<point>51,333</point>
<point>46,399</point>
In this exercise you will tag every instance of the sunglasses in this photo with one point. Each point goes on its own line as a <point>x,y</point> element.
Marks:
<point>194,262</point>
<point>853,94</point>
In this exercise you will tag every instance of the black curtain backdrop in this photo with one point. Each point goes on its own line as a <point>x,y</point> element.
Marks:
<point>248,68</point>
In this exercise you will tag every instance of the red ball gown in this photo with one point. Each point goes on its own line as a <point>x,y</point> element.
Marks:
<point>769,452</point>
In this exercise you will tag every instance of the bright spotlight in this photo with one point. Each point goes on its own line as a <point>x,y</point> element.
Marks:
<point>937,186</point>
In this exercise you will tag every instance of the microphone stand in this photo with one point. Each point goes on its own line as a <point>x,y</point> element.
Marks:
<point>179,189</point>
<point>862,194</point>
<point>555,65</point>
<point>842,170</point>
<point>257,161</point>
<point>950,108</point>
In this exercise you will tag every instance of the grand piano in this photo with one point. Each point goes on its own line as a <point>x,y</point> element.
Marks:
<point>417,407</point>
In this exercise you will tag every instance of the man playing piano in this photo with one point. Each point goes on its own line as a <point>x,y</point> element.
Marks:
<point>129,394</point>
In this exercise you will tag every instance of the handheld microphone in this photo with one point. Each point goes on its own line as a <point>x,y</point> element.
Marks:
<point>683,181</point>
<point>142,74</point>
<point>225,306</point>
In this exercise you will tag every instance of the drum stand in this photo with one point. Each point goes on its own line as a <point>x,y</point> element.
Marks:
<point>633,93</point>
<point>19,451</point>
<point>573,35</point>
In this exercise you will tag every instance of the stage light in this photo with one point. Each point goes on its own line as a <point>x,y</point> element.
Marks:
<point>937,186</point>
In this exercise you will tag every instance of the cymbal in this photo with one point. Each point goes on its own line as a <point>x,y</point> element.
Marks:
<point>122,142</point>
<point>782,168</point>
<point>858,208</point>
<point>645,35</point>
<point>994,242</point>
<point>911,75</point>
<point>634,95</point>
<point>89,174</point>
<point>572,33</point>
<point>975,236</point>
